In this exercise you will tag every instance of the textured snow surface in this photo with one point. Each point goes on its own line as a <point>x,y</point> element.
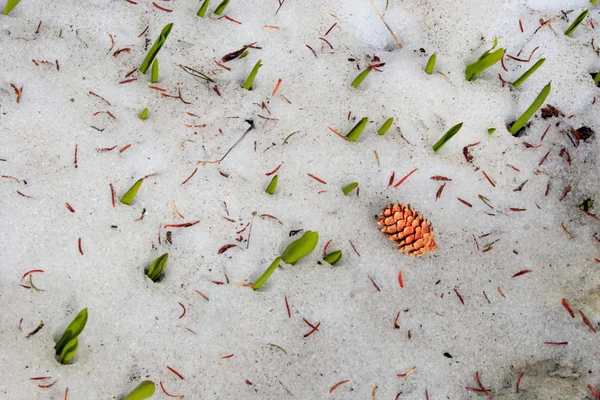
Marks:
<point>135,331</point>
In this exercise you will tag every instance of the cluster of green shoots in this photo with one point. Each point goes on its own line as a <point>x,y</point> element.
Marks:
<point>144,390</point>
<point>67,345</point>
<point>218,11</point>
<point>486,60</point>
<point>10,4</point>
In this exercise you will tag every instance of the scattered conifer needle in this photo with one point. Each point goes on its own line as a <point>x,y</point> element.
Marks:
<point>338,385</point>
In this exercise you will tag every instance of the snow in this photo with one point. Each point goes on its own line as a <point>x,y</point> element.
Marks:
<point>134,330</point>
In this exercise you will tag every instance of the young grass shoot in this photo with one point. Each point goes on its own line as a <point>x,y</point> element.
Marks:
<point>349,187</point>
<point>576,23</point>
<point>355,132</point>
<point>221,7</point>
<point>154,73</point>
<point>252,76</point>
<point>537,103</point>
<point>162,38</point>
<point>528,73</point>
<point>143,391</point>
<point>486,60</point>
<point>447,136</point>
<point>272,185</point>
<point>132,192</point>
<point>386,126</point>
<point>333,257</point>
<point>431,64</point>
<point>10,4</point>
<point>144,114</point>
<point>597,79</point>
<point>156,269</point>
<point>66,347</point>
<point>202,11</point>
<point>360,78</point>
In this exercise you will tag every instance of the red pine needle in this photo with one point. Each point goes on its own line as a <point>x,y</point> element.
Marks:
<point>523,272</point>
<point>567,306</point>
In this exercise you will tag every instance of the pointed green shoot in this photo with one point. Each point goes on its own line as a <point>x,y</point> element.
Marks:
<point>349,187</point>
<point>447,136</point>
<point>144,114</point>
<point>333,257</point>
<point>485,53</point>
<point>143,391</point>
<point>221,7</point>
<point>250,80</point>
<point>597,79</point>
<point>10,4</point>
<point>154,73</point>
<point>300,248</point>
<point>267,274</point>
<point>576,23</point>
<point>157,267</point>
<point>537,103</point>
<point>357,130</point>
<point>162,38</point>
<point>360,78</point>
<point>244,54</point>
<point>202,11</point>
<point>69,351</point>
<point>132,192</point>
<point>73,330</point>
<point>386,126</point>
<point>528,73</point>
<point>272,186</point>
<point>482,64</point>
<point>431,64</point>
<point>593,2</point>
<point>491,131</point>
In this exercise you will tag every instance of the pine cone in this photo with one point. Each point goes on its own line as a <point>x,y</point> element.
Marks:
<point>408,229</point>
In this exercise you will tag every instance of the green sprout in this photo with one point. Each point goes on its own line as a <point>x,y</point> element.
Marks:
<point>221,7</point>
<point>576,23</point>
<point>10,4</point>
<point>250,80</point>
<point>67,344</point>
<point>597,78</point>
<point>272,186</point>
<point>593,2</point>
<point>587,205</point>
<point>144,115</point>
<point>143,391</point>
<point>162,38</point>
<point>203,8</point>
<point>360,78</point>
<point>267,274</point>
<point>528,73</point>
<point>486,60</point>
<point>154,73</point>
<point>132,192</point>
<point>386,126</point>
<point>349,187</point>
<point>431,64</point>
<point>447,136</point>
<point>537,103</point>
<point>157,267</point>
<point>244,54</point>
<point>357,130</point>
<point>491,131</point>
<point>333,257</point>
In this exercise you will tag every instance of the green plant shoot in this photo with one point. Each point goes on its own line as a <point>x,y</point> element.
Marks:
<point>157,267</point>
<point>162,38</point>
<point>300,248</point>
<point>272,185</point>
<point>537,103</point>
<point>576,23</point>
<point>221,7</point>
<point>355,132</point>
<point>360,78</point>
<point>10,4</point>
<point>447,136</point>
<point>132,192</point>
<point>528,73</point>
<point>73,330</point>
<point>593,2</point>
<point>250,80</point>
<point>491,131</point>
<point>144,114</point>
<point>483,63</point>
<point>349,187</point>
<point>386,126</point>
<point>154,73</point>
<point>597,78</point>
<point>69,351</point>
<point>431,64</point>
<point>202,11</point>
<point>333,257</point>
<point>143,391</point>
<point>267,274</point>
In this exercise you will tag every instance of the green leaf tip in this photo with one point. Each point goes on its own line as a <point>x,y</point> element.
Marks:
<point>528,73</point>
<point>10,4</point>
<point>202,11</point>
<point>360,78</point>
<point>300,248</point>
<point>250,80</point>
<point>386,126</point>
<point>357,130</point>
<point>491,131</point>
<point>483,63</point>
<point>144,114</point>
<point>157,267</point>
<point>267,274</point>
<point>593,2</point>
<point>333,257</point>
<point>576,23</point>
<point>154,73</point>
<point>143,391</point>
<point>537,103</point>
<point>349,187</point>
<point>597,78</point>
<point>69,351</point>
<point>132,192</point>
<point>272,185</point>
<point>162,38</point>
<point>447,136</point>
<point>73,330</point>
<point>431,64</point>
<point>221,7</point>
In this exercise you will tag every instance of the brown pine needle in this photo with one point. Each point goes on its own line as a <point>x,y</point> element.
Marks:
<point>386,24</point>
